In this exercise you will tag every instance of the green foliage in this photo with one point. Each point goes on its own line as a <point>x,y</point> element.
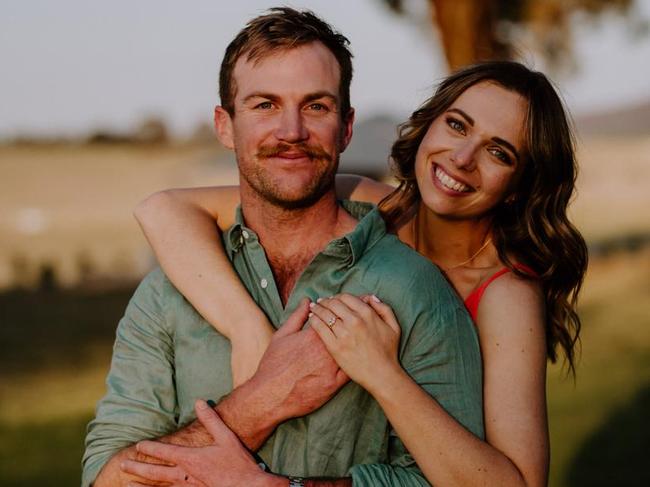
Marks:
<point>56,329</point>
<point>42,454</point>
<point>598,429</point>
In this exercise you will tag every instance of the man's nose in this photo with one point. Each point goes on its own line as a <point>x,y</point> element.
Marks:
<point>464,155</point>
<point>291,127</point>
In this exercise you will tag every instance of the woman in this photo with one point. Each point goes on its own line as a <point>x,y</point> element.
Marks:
<point>486,170</point>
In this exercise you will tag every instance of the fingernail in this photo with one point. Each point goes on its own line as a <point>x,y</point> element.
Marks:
<point>311,305</point>
<point>211,403</point>
<point>376,299</point>
<point>310,315</point>
<point>318,300</point>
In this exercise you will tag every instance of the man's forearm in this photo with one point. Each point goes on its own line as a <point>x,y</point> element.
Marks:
<point>250,411</point>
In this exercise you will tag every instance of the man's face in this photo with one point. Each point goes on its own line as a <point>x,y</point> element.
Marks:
<point>287,131</point>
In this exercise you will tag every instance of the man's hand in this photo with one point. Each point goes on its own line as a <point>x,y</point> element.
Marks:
<point>297,371</point>
<point>296,376</point>
<point>112,476</point>
<point>225,462</point>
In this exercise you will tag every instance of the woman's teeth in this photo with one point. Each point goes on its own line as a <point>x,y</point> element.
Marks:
<point>449,182</point>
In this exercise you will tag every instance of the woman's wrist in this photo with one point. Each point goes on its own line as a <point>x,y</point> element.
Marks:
<point>252,326</point>
<point>384,379</point>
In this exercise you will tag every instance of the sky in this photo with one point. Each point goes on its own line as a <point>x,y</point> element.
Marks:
<point>71,67</point>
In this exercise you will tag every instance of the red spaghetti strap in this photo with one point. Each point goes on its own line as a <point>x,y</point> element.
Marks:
<point>472,301</point>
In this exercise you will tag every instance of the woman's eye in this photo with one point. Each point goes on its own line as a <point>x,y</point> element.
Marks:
<point>501,155</point>
<point>456,124</point>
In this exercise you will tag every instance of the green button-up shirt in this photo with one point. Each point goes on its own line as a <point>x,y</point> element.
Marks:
<point>166,356</point>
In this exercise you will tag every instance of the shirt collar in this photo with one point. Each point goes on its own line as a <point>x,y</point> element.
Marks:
<point>369,229</point>
<point>233,238</point>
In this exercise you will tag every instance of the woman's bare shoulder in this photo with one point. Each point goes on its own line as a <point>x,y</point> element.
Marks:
<point>512,309</point>
<point>361,188</point>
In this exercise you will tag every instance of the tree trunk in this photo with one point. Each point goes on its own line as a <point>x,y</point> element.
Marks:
<point>467,30</point>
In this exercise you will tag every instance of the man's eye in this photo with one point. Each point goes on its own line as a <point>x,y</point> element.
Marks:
<point>317,107</point>
<point>456,124</point>
<point>265,105</point>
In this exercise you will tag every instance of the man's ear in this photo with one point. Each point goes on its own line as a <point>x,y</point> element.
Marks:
<point>223,127</point>
<point>346,135</point>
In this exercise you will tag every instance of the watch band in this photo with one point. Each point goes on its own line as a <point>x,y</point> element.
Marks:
<point>296,482</point>
<point>260,463</point>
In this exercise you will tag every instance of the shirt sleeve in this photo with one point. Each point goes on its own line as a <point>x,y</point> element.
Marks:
<point>441,353</point>
<point>140,402</point>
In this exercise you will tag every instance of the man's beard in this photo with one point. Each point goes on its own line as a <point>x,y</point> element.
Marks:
<point>272,192</point>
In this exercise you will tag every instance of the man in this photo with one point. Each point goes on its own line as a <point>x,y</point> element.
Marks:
<point>286,113</point>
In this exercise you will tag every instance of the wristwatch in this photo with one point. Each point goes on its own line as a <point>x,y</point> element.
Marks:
<point>296,482</point>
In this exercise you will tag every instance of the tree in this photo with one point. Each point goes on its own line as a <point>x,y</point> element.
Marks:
<point>475,30</point>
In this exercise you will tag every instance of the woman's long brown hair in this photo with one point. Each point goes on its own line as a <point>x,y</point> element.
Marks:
<point>532,228</point>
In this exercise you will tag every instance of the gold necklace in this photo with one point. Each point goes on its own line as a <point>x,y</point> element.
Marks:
<point>416,241</point>
<point>474,256</point>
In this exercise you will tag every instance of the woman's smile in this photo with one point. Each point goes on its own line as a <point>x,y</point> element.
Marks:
<point>448,182</point>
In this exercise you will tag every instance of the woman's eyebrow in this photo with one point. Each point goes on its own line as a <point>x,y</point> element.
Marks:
<point>469,119</point>
<point>507,145</point>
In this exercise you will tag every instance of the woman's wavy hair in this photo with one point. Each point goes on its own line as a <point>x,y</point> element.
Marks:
<point>531,227</point>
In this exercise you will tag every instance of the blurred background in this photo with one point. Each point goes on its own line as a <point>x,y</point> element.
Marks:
<point>103,103</point>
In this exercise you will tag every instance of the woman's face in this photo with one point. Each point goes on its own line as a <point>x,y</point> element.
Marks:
<point>471,156</point>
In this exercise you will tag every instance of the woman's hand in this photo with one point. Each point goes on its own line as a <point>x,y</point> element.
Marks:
<point>362,334</point>
<point>224,463</point>
<point>248,344</point>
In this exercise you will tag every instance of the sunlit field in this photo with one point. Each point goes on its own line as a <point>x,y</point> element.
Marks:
<point>69,209</point>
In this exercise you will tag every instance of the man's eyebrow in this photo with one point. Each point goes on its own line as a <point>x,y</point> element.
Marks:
<point>498,140</point>
<point>307,98</point>
<point>321,94</point>
<point>260,94</point>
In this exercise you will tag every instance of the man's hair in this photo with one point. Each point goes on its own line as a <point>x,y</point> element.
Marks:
<point>281,29</point>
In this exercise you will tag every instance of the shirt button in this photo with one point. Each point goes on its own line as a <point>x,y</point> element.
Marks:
<point>245,234</point>
<point>264,283</point>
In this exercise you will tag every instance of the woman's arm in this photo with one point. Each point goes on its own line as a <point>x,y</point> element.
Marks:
<point>511,322</point>
<point>360,188</point>
<point>183,228</point>
<point>511,329</point>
